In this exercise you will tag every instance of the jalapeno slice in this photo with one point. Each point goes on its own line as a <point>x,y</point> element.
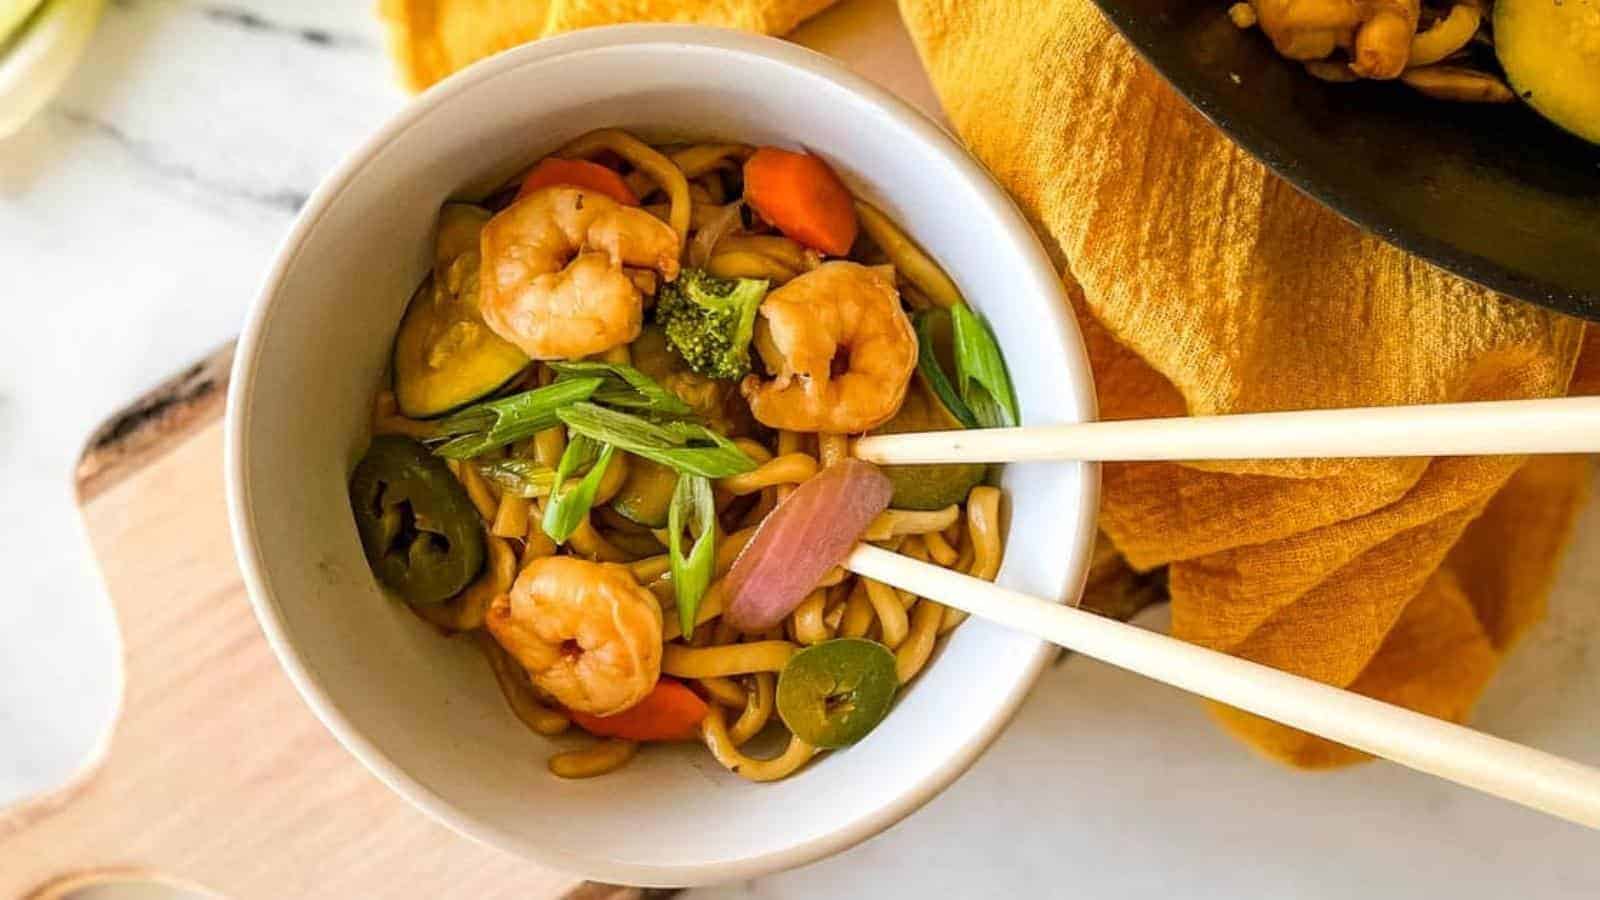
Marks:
<point>418,527</point>
<point>831,694</point>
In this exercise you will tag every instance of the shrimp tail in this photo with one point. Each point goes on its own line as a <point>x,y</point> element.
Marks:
<point>1383,42</point>
<point>632,237</point>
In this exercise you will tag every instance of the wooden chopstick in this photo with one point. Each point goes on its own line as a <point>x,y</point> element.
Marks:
<point>1483,762</point>
<point>1558,425</point>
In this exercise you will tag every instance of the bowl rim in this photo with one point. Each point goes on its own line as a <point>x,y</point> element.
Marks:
<point>1018,231</point>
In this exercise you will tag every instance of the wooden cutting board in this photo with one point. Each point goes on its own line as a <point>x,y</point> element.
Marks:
<point>215,773</point>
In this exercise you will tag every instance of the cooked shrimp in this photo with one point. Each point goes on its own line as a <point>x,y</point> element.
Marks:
<point>1378,33</point>
<point>552,273</point>
<point>587,633</point>
<point>1308,29</point>
<point>840,311</point>
<point>1383,40</point>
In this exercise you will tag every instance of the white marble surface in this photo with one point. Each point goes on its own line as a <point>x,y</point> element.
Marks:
<point>136,216</point>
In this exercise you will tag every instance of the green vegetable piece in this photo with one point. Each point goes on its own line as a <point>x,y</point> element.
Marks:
<point>522,477</point>
<point>981,370</point>
<point>646,494</point>
<point>687,447</point>
<point>933,333</point>
<point>566,509</point>
<point>418,527</point>
<point>624,386</point>
<point>486,426</point>
<point>928,486</point>
<point>692,506</point>
<point>444,354</point>
<point>1550,50</point>
<point>710,321</point>
<point>714,402</point>
<point>831,694</point>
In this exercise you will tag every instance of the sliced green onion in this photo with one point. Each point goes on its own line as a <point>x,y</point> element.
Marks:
<point>981,370</point>
<point>928,365</point>
<point>484,426</point>
<point>687,447</point>
<point>566,509</point>
<point>692,506</point>
<point>520,477</point>
<point>623,386</point>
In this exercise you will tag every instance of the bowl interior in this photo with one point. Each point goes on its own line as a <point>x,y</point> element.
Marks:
<point>423,712</point>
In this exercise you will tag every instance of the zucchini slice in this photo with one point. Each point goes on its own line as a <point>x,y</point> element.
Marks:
<point>646,494</point>
<point>444,354</point>
<point>928,486</point>
<point>1551,53</point>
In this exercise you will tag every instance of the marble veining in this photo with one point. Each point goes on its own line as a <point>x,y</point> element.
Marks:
<point>149,155</point>
<point>250,21</point>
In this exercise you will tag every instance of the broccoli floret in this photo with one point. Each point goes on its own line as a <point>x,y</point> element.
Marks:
<point>709,321</point>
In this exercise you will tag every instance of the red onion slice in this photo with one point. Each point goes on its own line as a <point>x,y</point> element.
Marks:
<point>797,543</point>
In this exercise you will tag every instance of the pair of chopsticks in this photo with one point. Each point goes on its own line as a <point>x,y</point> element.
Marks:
<point>1502,768</point>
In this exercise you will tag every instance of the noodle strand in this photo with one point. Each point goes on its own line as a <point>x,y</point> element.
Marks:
<point>511,519</point>
<point>791,469</point>
<point>646,159</point>
<point>757,710</point>
<point>517,690</point>
<point>890,611</point>
<point>807,619</point>
<point>858,614</point>
<point>730,659</point>
<point>832,448</point>
<point>724,691</point>
<point>721,745</point>
<point>598,758</point>
<point>913,653</point>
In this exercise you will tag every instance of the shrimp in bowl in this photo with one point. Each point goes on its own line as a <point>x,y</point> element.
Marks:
<point>637,496</point>
<point>588,633</point>
<point>553,282</point>
<point>841,348</point>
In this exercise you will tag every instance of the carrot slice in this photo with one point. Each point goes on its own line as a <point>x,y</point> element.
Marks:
<point>670,712</point>
<point>578,173</point>
<point>803,198</point>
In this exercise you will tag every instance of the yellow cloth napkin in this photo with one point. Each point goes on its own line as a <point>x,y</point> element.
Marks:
<point>1205,285</point>
<point>429,39</point>
<point>1209,286</point>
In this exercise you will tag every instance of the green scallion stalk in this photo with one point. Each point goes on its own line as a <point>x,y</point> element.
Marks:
<point>693,506</point>
<point>485,426</point>
<point>520,477</point>
<point>623,386</point>
<point>981,370</point>
<point>687,447</point>
<point>928,365</point>
<point>566,509</point>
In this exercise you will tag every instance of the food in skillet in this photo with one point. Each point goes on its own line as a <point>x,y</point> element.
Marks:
<point>615,453</point>
<point>1545,52</point>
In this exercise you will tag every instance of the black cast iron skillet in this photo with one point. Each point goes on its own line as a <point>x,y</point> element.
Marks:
<point>1492,193</point>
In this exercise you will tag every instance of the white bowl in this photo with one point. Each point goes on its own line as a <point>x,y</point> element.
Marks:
<point>422,712</point>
